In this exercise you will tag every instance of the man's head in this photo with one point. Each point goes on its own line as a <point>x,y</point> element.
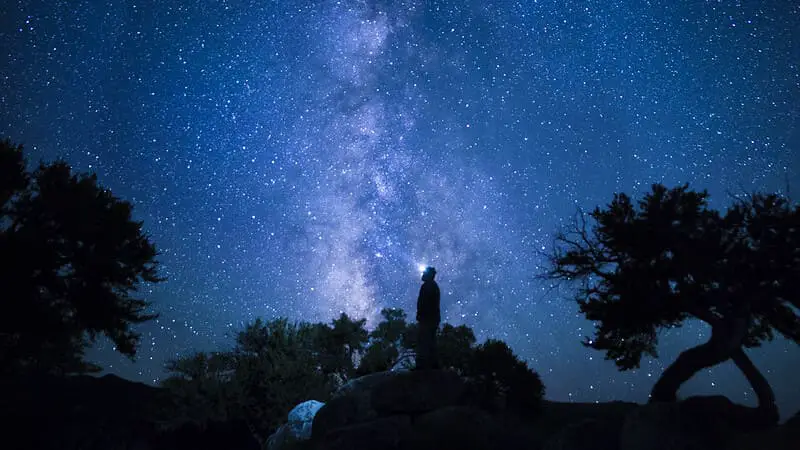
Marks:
<point>428,274</point>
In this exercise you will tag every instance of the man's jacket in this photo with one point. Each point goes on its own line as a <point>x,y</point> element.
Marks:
<point>428,303</point>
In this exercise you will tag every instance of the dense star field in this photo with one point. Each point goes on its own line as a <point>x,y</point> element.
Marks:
<point>303,158</point>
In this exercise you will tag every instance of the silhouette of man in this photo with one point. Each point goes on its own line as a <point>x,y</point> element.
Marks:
<point>428,318</point>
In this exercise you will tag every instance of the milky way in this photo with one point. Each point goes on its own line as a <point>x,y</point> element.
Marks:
<point>302,159</point>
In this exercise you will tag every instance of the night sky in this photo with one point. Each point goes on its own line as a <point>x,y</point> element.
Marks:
<point>303,158</point>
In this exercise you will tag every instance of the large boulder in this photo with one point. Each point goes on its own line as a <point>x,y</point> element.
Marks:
<point>343,410</point>
<point>426,409</point>
<point>388,433</point>
<point>363,384</point>
<point>351,403</point>
<point>386,394</point>
<point>297,428</point>
<point>281,439</point>
<point>417,392</point>
<point>301,418</point>
<point>457,427</point>
<point>435,410</point>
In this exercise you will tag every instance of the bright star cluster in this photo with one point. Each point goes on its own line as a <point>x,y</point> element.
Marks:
<point>304,158</point>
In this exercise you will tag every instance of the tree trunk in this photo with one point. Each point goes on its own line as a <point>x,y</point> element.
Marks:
<point>767,408</point>
<point>726,337</point>
<point>688,363</point>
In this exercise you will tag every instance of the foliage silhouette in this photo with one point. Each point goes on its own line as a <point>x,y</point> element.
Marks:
<point>277,368</point>
<point>386,342</point>
<point>201,389</point>
<point>341,345</point>
<point>394,340</point>
<point>456,347</point>
<point>275,365</point>
<point>500,373</point>
<point>72,257</point>
<point>653,264</point>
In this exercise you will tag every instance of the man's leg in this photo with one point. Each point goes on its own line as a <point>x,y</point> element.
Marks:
<point>424,345</point>
<point>434,350</point>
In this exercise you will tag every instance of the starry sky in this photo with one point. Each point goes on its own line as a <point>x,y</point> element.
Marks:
<point>303,158</point>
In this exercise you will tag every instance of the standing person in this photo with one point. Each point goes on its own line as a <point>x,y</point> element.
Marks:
<point>428,318</point>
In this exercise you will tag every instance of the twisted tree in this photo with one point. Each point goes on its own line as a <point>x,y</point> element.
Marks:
<point>654,264</point>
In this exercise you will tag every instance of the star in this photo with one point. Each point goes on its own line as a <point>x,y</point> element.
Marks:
<point>303,159</point>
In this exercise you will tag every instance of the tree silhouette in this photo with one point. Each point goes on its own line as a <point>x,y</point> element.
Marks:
<point>71,258</point>
<point>498,372</point>
<point>344,342</point>
<point>201,390</point>
<point>394,338</point>
<point>455,347</point>
<point>276,364</point>
<point>668,258</point>
<point>276,368</point>
<point>385,342</point>
<point>273,366</point>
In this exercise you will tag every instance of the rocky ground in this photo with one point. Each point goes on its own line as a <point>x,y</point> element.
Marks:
<point>439,410</point>
<point>390,410</point>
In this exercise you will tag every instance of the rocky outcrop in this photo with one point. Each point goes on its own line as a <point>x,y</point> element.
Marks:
<point>380,433</point>
<point>436,410</point>
<point>461,427</point>
<point>383,411</point>
<point>409,410</point>
<point>388,394</point>
<point>417,392</point>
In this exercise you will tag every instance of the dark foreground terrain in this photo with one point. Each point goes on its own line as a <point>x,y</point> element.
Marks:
<point>411,410</point>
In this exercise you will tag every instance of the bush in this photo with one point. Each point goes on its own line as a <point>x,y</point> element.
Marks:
<point>456,346</point>
<point>497,372</point>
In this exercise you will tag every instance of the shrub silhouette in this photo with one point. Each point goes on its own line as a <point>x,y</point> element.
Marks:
<point>276,364</point>
<point>456,347</point>
<point>340,346</point>
<point>386,342</point>
<point>498,372</point>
